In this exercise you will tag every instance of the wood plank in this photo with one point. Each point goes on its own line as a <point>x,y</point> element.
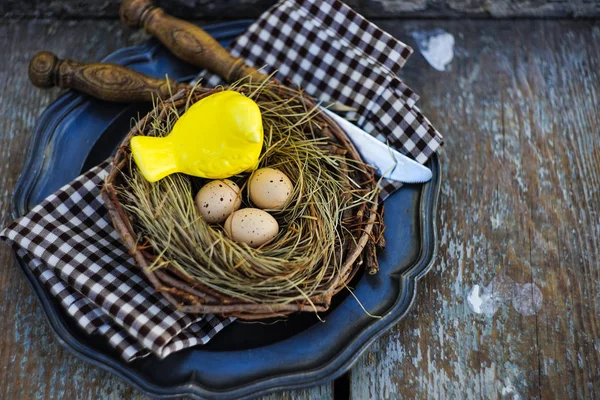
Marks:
<point>322,392</point>
<point>520,198</point>
<point>32,363</point>
<point>233,9</point>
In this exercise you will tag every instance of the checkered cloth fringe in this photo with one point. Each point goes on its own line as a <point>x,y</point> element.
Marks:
<point>69,244</point>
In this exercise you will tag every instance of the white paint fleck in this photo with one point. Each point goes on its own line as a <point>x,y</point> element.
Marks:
<point>474,299</point>
<point>458,281</point>
<point>487,300</point>
<point>484,301</point>
<point>526,299</point>
<point>437,46</point>
<point>416,360</point>
<point>496,221</point>
<point>395,7</point>
<point>509,391</point>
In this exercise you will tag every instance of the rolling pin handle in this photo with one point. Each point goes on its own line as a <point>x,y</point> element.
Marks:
<point>187,41</point>
<point>132,12</point>
<point>103,81</point>
<point>43,69</point>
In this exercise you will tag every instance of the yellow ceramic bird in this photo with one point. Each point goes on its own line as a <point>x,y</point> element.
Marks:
<point>218,137</point>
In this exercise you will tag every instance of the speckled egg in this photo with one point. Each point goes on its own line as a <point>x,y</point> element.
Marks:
<point>251,226</point>
<point>217,200</point>
<point>269,188</point>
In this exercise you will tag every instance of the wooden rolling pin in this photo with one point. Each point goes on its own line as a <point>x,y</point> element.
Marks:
<point>186,40</point>
<point>112,82</point>
<point>105,81</point>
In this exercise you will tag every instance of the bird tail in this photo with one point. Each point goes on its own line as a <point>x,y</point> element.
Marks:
<point>154,157</point>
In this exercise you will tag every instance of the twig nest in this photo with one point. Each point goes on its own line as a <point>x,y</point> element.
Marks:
<point>217,200</point>
<point>326,234</point>
<point>269,188</point>
<point>251,226</point>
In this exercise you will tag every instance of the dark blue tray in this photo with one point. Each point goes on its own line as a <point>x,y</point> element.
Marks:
<point>77,132</point>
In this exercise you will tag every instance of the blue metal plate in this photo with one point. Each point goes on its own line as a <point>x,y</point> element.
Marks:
<point>77,132</point>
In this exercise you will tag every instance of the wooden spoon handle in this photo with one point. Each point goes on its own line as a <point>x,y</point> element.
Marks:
<point>104,81</point>
<point>187,41</point>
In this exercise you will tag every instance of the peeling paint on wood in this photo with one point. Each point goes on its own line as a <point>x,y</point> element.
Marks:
<point>521,196</point>
<point>436,46</point>
<point>235,9</point>
<point>525,299</point>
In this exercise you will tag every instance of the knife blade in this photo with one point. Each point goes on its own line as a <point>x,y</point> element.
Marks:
<point>390,164</point>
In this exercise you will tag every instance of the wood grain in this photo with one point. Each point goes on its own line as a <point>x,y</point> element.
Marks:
<point>32,363</point>
<point>234,9</point>
<point>186,40</point>
<point>104,81</point>
<point>521,198</point>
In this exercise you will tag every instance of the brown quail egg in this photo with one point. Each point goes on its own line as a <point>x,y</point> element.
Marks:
<point>217,200</point>
<point>251,226</point>
<point>269,188</point>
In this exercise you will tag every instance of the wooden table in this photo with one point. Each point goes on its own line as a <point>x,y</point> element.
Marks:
<point>520,110</point>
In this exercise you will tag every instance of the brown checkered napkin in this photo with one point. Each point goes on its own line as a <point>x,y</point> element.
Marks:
<point>336,55</point>
<point>70,245</point>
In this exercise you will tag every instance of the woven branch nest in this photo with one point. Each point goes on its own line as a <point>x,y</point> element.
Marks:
<point>359,232</point>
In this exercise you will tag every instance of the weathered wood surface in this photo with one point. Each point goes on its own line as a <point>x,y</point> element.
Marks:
<point>33,365</point>
<point>233,9</point>
<point>520,197</point>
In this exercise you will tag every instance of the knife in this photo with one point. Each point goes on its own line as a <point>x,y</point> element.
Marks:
<point>117,83</point>
<point>390,164</point>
